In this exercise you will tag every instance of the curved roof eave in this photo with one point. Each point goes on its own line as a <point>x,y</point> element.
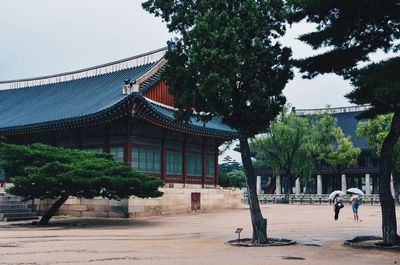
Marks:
<point>163,115</point>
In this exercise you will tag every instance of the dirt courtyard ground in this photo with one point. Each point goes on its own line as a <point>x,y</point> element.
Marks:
<point>198,238</point>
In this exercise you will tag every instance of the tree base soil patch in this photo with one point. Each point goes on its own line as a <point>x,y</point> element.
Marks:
<point>246,242</point>
<point>370,242</point>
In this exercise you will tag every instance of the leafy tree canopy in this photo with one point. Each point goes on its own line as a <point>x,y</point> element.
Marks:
<point>227,61</point>
<point>377,84</point>
<point>286,146</point>
<point>228,165</point>
<point>375,131</point>
<point>45,172</point>
<point>236,178</point>
<point>344,155</point>
<point>350,29</point>
<point>293,144</point>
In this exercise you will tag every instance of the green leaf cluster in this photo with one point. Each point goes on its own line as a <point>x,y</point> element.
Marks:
<point>45,172</point>
<point>227,60</point>
<point>351,30</point>
<point>294,144</point>
<point>375,131</point>
<point>377,84</point>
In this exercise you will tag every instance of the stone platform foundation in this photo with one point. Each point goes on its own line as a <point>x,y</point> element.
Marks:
<point>179,200</point>
<point>174,201</point>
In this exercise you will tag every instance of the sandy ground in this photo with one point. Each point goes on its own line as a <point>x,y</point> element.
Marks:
<point>197,238</point>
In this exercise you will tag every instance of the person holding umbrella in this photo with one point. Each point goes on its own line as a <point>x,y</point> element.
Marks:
<point>337,205</point>
<point>337,202</point>
<point>355,201</point>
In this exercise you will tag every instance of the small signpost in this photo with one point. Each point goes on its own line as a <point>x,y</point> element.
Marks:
<point>238,231</point>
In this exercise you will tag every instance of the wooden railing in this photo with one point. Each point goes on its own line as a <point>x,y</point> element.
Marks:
<point>310,199</point>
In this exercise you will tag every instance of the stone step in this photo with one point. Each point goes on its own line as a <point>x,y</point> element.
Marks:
<point>13,210</point>
<point>16,215</point>
<point>12,219</point>
<point>10,198</point>
<point>14,206</point>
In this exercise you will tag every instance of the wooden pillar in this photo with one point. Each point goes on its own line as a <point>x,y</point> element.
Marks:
<point>278,186</point>
<point>203,165</point>
<point>184,163</point>
<point>106,144</point>
<point>344,185</point>
<point>128,142</point>
<point>216,152</point>
<point>367,184</point>
<point>319,184</point>
<point>297,189</point>
<point>163,162</point>
<point>53,139</point>
<point>78,132</point>
<point>258,185</point>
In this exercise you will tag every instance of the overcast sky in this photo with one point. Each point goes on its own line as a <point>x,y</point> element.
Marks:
<point>44,37</point>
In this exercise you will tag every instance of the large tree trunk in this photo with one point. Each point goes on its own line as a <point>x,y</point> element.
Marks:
<point>258,222</point>
<point>290,183</point>
<point>53,209</point>
<point>389,224</point>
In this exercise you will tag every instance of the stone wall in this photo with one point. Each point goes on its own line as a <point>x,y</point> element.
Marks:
<point>174,201</point>
<point>97,207</point>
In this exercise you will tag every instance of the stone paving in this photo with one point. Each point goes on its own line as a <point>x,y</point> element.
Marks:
<point>197,238</point>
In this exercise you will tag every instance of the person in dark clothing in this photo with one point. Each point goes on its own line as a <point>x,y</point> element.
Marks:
<point>337,205</point>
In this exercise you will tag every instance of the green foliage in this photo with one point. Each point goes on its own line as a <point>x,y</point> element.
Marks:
<point>286,146</point>
<point>236,179</point>
<point>227,61</point>
<point>228,165</point>
<point>350,29</point>
<point>377,84</point>
<point>45,172</point>
<point>375,131</point>
<point>231,173</point>
<point>344,155</point>
<point>295,143</point>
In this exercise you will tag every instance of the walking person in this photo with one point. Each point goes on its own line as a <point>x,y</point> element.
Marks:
<point>355,202</point>
<point>337,205</point>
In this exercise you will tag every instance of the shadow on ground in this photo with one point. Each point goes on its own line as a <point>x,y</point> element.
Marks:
<point>76,223</point>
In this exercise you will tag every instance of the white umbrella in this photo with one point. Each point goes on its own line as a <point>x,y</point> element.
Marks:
<point>333,194</point>
<point>355,191</point>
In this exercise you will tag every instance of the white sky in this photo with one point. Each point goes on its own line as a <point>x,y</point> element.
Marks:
<point>44,37</point>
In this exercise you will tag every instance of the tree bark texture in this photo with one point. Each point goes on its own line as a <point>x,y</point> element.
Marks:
<point>257,220</point>
<point>389,223</point>
<point>53,209</point>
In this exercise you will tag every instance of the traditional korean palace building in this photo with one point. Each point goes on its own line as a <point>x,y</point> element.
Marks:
<point>365,175</point>
<point>122,108</point>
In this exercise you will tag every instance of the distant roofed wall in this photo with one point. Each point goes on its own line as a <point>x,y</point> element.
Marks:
<point>119,65</point>
<point>305,112</point>
<point>346,119</point>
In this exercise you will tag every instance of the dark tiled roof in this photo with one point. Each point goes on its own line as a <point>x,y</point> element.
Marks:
<point>64,101</point>
<point>90,100</point>
<point>166,114</point>
<point>348,122</point>
<point>149,83</point>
